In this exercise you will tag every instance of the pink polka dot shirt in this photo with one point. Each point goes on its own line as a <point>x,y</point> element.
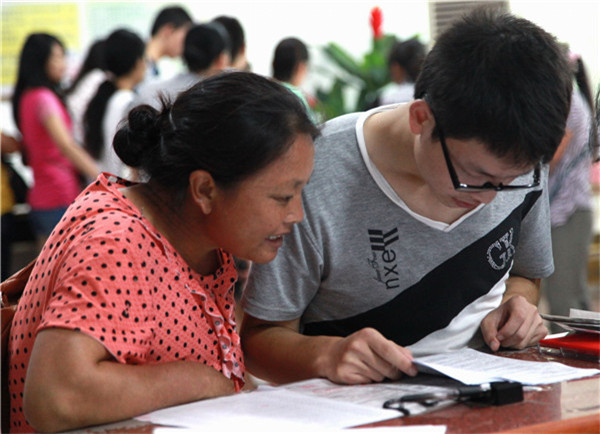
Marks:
<point>107,272</point>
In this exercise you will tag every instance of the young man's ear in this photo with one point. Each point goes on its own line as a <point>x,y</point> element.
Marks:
<point>203,190</point>
<point>419,115</point>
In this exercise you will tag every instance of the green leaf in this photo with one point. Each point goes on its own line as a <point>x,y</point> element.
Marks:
<point>343,59</point>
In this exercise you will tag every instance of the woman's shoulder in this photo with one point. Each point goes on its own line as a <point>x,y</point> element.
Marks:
<point>40,96</point>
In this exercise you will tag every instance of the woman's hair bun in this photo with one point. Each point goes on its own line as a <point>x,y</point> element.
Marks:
<point>135,140</point>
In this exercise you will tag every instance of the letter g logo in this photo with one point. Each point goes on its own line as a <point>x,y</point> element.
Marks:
<point>500,253</point>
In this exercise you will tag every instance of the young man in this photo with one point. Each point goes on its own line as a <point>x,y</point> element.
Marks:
<point>167,35</point>
<point>426,224</point>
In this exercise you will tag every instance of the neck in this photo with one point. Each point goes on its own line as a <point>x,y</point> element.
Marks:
<point>153,50</point>
<point>178,224</point>
<point>390,143</point>
<point>125,83</point>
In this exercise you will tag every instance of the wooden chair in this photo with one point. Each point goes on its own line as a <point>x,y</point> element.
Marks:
<point>11,290</point>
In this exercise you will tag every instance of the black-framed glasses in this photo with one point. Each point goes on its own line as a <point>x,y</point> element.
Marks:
<point>488,185</point>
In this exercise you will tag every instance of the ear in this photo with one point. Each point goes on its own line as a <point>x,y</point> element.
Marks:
<point>419,116</point>
<point>203,190</point>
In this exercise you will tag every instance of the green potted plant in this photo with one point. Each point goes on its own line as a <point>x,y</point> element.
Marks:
<point>367,75</point>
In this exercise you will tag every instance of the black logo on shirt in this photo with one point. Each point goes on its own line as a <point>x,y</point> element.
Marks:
<point>383,260</point>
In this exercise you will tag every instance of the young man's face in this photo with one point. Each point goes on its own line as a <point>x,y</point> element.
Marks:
<point>473,165</point>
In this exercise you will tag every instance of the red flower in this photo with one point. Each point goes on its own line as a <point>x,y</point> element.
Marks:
<point>376,21</point>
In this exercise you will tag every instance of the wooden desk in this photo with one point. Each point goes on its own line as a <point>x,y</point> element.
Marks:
<point>567,407</point>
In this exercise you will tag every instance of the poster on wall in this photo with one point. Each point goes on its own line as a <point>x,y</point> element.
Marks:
<point>19,20</point>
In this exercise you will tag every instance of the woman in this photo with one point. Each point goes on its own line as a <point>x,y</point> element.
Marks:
<point>84,86</point>
<point>40,113</point>
<point>130,305</point>
<point>124,59</point>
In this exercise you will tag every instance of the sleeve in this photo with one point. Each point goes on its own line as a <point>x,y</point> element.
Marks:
<point>101,290</point>
<point>282,289</point>
<point>533,255</point>
<point>47,104</point>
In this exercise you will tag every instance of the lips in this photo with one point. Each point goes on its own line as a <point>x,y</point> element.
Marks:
<point>462,204</point>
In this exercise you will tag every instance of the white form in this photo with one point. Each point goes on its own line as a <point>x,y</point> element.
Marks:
<point>474,367</point>
<point>269,406</point>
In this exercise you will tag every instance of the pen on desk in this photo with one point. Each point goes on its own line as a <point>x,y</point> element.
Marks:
<point>495,393</point>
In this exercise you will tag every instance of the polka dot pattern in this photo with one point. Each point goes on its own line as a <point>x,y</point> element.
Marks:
<point>107,272</point>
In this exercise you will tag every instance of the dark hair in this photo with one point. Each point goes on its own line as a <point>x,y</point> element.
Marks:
<point>583,84</point>
<point>32,68</point>
<point>174,15</point>
<point>409,55</point>
<point>232,125</point>
<point>236,33</point>
<point>288,54</point>
<point>502,80</point>
<point>122,52</point>
<point>93,60</point>
<point>204,43</point>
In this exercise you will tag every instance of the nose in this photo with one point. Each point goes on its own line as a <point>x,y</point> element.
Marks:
<point>295,211</point>
<point>485,196</point>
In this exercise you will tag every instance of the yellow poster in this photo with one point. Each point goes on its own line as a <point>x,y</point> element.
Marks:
<point>21,19</point>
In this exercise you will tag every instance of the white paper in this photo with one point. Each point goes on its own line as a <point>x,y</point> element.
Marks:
<point>474,367</point>
<point>372,395</point>
<point>408,429</point>
<point>269,407</point>
<point>585,314</point>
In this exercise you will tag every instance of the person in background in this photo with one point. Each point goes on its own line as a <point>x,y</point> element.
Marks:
<point>39,111</point>
<point>85,85</point>
<point>404,62</point>
<point>167,35</point>
<point>206,52</point>
<point>124,54</point>
<point>427,223</point>
<point>130,306</point>
<point>290,67</point>
<point>571,206</point>
<point>237,39</point>
<point>7,201</point>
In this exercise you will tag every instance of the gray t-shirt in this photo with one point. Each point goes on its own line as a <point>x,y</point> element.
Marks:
<point>362,258</point>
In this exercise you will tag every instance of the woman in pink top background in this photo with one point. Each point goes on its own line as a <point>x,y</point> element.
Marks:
<point>41,115</point>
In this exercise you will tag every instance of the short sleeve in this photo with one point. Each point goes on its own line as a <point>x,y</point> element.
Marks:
<point>46,104</point>
<point>101,291</point>
<point>282,289</point>
<point>533,256</point>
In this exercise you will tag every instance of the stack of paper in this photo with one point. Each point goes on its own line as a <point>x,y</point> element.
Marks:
<point>584,338</point>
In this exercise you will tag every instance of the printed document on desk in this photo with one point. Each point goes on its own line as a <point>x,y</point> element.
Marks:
<point>301,406</point>
<point>474,367</point>
<point>274,407</point>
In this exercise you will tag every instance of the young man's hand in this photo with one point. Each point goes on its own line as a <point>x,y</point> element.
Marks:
<point>367,356</point>
<point>516,323</point>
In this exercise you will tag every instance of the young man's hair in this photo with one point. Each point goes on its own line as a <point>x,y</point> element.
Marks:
<point>502,80</point>
<point>174,15</point>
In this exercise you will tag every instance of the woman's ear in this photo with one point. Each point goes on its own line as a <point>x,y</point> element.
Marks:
<point>203,190</point>
<point>419,114</point>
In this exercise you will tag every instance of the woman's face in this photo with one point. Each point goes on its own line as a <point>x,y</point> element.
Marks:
<point>56,64</point>
<point>250,220</point>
